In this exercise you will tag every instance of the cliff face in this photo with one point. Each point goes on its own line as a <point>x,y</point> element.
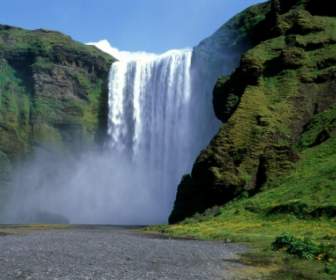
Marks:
<point>53,92</point>
<point>279,102</point>
<point>223,49</point>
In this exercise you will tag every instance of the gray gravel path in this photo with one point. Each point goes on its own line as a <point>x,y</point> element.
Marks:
<point>92,253</point>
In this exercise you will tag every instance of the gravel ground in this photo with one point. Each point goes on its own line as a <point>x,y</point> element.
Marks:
<point>97,253</point>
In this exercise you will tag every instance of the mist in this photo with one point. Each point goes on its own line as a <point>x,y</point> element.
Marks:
<point>85,189</point>
<point>160,117</point>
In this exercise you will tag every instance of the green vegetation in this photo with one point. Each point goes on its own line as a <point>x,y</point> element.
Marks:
<point>302,204</point>
<point>243,24</point>
<point>52,91</point>
<point>271,169</point>
<point>304,248</point>
<point>278,102</point>
<point>53,94</point>
<point>41,42</point>
<point>14,111</point>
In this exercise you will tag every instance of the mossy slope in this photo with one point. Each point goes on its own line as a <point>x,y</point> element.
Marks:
<point>53,91</point>
<point>278,103</point>
<point>302,204</point>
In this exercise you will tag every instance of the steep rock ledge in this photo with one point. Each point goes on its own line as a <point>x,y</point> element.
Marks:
<point>283,85</point>
<point>53,90</point>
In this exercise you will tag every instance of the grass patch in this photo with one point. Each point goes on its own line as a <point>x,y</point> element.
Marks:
<point>249,219</point>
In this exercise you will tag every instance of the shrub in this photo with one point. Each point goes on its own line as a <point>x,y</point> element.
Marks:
<point>304,248</point>
<point>330,269</point>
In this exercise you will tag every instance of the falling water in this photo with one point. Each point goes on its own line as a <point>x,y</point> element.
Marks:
<point>152,120</point>
<point>160,117</point>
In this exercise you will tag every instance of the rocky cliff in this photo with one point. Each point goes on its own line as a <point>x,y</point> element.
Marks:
<point>279,102</point>
<point>53,93</point>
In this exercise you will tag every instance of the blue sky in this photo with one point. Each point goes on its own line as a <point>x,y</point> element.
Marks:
<point>134,25</point>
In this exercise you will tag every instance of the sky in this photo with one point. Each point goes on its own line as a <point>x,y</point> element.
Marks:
<point>132,25</point>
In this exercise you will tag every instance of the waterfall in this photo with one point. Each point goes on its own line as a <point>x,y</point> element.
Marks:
<point>148,96</point>
<point>152,123</point>
<point>160,117</point>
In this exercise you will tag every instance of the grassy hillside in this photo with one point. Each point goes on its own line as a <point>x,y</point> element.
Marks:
<point>277,103</point>
<point>53,93</point>
<point>302,204</point>
<point>271,169</point>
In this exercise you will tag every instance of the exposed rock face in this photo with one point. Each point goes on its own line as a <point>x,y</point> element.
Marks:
<point>53,90</point>
<point>284,84</point>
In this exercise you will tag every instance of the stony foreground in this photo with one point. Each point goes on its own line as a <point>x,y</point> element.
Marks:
<point>99,253</point>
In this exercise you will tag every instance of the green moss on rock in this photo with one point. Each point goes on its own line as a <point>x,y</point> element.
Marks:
<point>53,91</point>
<point>319,129</point>
<point>279,101</point>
